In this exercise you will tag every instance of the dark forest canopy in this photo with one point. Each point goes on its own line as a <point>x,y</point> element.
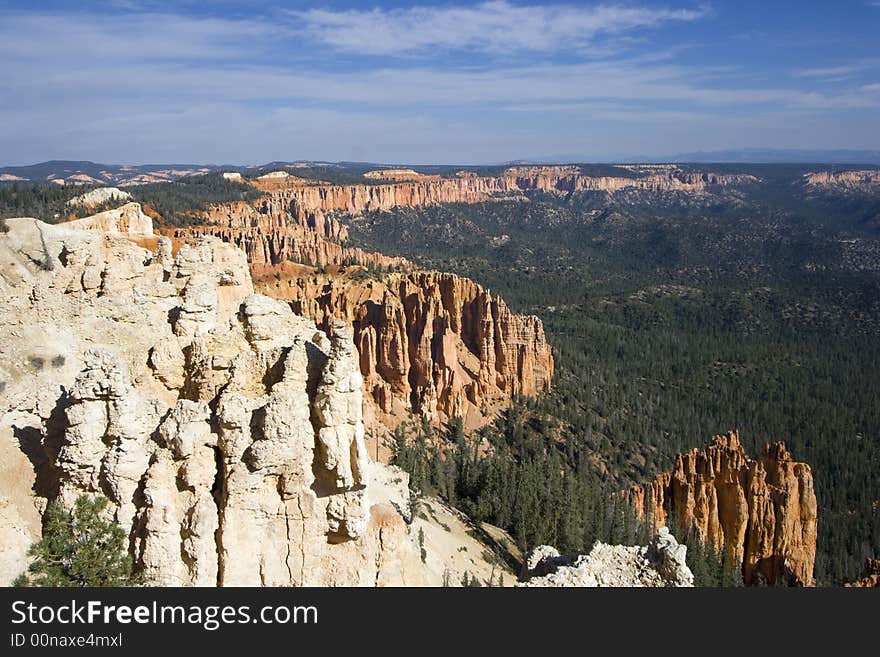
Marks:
<point>673,321</point>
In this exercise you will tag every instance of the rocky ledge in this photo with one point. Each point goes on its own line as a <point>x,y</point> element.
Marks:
<point>660,564</point>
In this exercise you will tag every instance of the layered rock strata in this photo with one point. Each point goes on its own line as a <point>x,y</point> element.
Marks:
<point>867,180</point>
<point>469,188</point>
<point>272,232</point>
<point>433,343</point>
<point>294,220</point>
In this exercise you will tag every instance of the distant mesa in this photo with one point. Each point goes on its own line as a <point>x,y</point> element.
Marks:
<point>398,175</point>
<point>8,177</point>
<point>233,175</point>
<point>82,179</point>
<point>848,181</point>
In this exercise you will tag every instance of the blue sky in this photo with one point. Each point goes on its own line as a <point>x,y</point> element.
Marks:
<point>138,81</point>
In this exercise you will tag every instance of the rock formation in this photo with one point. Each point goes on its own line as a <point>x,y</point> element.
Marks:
<point>761,512</point>
<point>312,197</point>
<point>98,196</point>
<point>398,175</point>
<point>432,343</point>
<point>271,237</point>
<point>845,181</point>
<point>128,219</point>
<point>660,564</point>
<point>225,430</point>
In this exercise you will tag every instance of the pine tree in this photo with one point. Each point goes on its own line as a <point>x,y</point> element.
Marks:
<point>79,548</point>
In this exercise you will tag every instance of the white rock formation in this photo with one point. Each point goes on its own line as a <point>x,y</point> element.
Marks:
<point>98,196</point>
<point>225,430</point>
<point>660,564</point>
<point>128,219</point>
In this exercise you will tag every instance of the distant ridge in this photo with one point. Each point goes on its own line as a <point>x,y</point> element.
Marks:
<point>87,172</point>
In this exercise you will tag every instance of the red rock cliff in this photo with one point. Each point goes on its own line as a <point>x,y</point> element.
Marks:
<point>271,233</point>
<point>762,512</point>
<point>305,198</point>
<point>437,344</point>
<point>293,221</point>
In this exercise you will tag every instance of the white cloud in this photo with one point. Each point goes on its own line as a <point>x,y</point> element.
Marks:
<point>492,27</point>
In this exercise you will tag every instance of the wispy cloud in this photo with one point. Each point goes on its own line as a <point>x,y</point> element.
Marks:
<point>146,83</point>
<point>492,27</point>
<point>841,71</point>
<point>82,40</point>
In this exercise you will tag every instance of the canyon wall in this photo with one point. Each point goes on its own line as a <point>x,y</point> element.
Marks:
<point>305,197</point>
<point>294,221</point>
<point>761,512</point>
<point>271,233</point>
<point>432,343</point>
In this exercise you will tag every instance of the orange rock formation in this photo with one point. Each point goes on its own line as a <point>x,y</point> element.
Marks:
<point>863,181</point>
<point>272,232</point>
<point>310,197</point>
<point>762,512</point>
<point>432,343</point>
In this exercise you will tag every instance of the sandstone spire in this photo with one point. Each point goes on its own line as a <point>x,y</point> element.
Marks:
<point>761,512</point>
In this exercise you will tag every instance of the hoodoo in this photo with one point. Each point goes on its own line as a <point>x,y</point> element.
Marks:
<point>761,512</point>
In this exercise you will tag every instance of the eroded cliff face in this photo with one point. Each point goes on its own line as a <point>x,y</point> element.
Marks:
<point>272,232</point>
<point>225,429</point>
<point>432,343</point>
<point>294,220</point>
<point>306,197</point>
<point>566,179</point>
<point>428,343</point>
<point>867,180</point>
<point>761,512</point>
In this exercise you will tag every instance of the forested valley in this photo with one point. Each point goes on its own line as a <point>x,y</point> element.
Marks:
<point>670,323</point>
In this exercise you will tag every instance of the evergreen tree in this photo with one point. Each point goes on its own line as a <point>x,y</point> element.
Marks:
<point>79,548</point>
